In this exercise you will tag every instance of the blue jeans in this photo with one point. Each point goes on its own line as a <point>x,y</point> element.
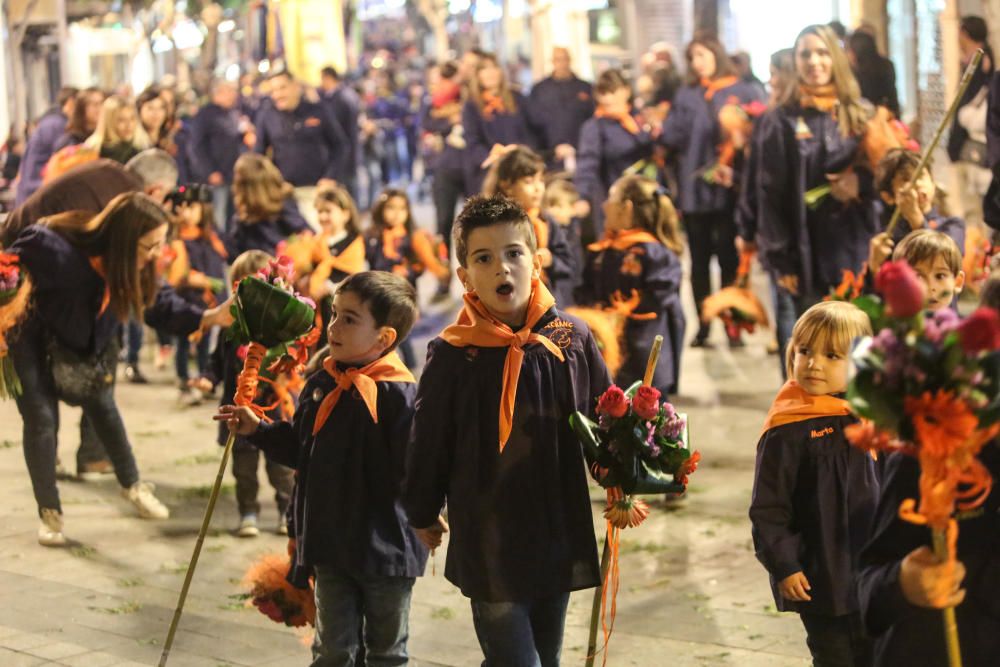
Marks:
<point>134,342</point>
<point>349,608</point>
<point>183,352</point>
<point>521,634</point>
<point>788,308</point>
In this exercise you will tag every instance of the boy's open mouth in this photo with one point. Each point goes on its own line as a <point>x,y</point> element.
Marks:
<point>505,289</point>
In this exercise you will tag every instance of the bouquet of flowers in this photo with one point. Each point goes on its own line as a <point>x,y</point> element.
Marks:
<point>274,597</point>
<point>15,288</point>
<point>929,385</point>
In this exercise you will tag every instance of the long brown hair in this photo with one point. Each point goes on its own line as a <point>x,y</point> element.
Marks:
<point>723,63</point>
<point>378,215</point>
<point>259,191</point>
<point>338,195</point>
<point>113,235</point>
<point>852,117</point>
<point>477,92</point>
<point>651,210</point>
<point>77,123</point>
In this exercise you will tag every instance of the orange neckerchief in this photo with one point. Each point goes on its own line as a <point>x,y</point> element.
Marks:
<point>391,237</point>
<point>97,264</point>
<point>712,86</point>
<point>822,98</point>
<point>541,228</point>
<point>389,368</point>
<point>493,104</point>
<point>476,326</point>
<point>194,233</point>
<point>793,404</point>
<point>624,119</point>
<point>623,240</point>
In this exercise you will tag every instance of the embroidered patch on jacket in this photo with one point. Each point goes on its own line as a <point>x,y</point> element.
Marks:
<point>312,122</point>
<point>560,332</point>
<point>822,432</point>
<point>631,266</point>
<point>802,130</point>
<point>583,95</point>
<point>471,353</point>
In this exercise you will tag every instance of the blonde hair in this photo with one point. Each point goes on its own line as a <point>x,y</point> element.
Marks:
<point>852,117</point>
<point>105,133</point>
<point>247,264</point>
<point>651,209</point>
<point>926,245</point>
<point>832,323</point>
<point>259,191</point>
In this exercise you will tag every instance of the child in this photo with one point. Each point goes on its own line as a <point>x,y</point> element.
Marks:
<point>934,256</point>
<point>637,270</point>
<point>561,205</point>
<point>519,175</point>
<point>902,586</point>
<point>491,436</point>
<point>348,442</point>
<point>266,212</point>
<point>196,271</point>
<point>339,250</point>
<point>396,245</point>
<point>814,494</point>
<point>227,365</point>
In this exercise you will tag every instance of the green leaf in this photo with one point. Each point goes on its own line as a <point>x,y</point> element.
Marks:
<point>872,307</point>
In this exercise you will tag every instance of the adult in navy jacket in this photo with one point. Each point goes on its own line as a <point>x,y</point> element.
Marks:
<point>706,176</point>
<point>344,105</point>
<point>41,144</point>
<point>562,103</point>
<point>216,142</point>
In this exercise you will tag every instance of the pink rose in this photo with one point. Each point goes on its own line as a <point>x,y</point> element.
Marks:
<point>980,331</point>
<point>646,404</point>
<point>613,402</point>
<point>903,292</point>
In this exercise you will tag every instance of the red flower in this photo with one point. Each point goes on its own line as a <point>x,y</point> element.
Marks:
<point>687,468</point>
<point>903,291</point>
<point>613,402</point>
<point>646,403</point>
<point>980,332</point>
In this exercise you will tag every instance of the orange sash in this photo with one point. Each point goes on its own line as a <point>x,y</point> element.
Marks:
<point>476,326</point>
<point>793,404</point>
<point>97,264</point>
<point>493,104</point>
<point>822,98</point>
<point>389,368</point>
<point>712,86</point>
<point>623,240</point>
<point>624,119</point>
<point>391,238</point>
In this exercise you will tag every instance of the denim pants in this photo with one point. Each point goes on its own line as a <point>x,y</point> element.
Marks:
<point>521,634</point>
<point>134,341</point>
<point>837,641</point>
<point>788,308</point>
<point>39,408</point>
<point>349,608</point>
<point>183,352</point>
<point>222,205</point>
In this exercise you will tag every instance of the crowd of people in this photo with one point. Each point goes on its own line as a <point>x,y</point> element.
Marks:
<point>578,203</point>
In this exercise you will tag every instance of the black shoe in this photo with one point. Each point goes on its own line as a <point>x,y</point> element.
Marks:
<point>701,341</point>
<point>737,342</point>
<point>134,375</point>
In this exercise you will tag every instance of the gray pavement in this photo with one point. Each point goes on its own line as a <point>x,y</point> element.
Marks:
<point>691,591</point>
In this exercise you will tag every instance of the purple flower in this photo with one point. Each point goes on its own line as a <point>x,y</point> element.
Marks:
<point>938,325</point>
<point>7,283</point>
<point>673,427</point>
<point>306,300</point>
<point>894,356</point>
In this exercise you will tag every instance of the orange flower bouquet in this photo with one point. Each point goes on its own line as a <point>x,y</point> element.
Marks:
<point>928,384</point>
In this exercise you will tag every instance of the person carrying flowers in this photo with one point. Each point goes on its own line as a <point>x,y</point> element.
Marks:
<point>814,494</point>
<point>492,438</point>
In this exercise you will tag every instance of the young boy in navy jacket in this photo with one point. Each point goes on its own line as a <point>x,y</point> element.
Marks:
<point>491,436</point>
<point>348,441</point>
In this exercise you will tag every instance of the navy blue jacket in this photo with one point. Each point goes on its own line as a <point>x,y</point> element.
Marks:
<point>264,235</point>
<point>346,509</point>
<point>204,258</point>
<point>216,143</point>
<point>814,244</point>
<point>450,158</point>
<point>343,104</point>
<point>908,635</point>
<point>306,144</point>
<point>521,525</point>
<point>565,283</point>
<point>561,107</point>
<point>502,128</point>
<point>950,225</point>
<point>692,130</point>
<point>40,147</point>
<point>814,496</point>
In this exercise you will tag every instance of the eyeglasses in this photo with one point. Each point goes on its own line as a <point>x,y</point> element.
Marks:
<point>147,248</point>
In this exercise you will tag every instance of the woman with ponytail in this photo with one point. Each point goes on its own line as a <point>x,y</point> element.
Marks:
<point>636,270</point>
<point>816,207</point>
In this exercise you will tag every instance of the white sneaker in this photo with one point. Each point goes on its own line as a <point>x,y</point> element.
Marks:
<point>248,526</point>
<point>190,397</point>
<point>50,532</point>
<point>141,495</point>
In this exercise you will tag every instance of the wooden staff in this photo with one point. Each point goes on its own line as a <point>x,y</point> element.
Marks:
<point>595,610</point>
<point>941,550</point>
<point>952,110</point>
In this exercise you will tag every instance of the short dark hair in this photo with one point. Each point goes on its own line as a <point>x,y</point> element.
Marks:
<point>975,27</point>
<point>277,72</point>
<point>66,93</point>
<point>609,81</point>
<point>896,161</point>
<point>480,212</point>
<point>331,72</point>
<point>723,64</point>
<point>448,69</point>
<point>391,299</point>
<point>518,162</point>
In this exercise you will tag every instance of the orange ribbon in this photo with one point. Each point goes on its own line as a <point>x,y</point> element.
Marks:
<point>823,98</point>
<point>712,86</point>
<point>493,104</point>
<point>391,238</point>
<point>624,119</point>
<point>476,326</point>
<point>389,368</point>
<point>623,240</point>
<point>97,264</point>
<point>793,404</point>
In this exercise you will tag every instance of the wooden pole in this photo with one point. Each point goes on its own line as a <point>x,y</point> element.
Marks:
<point>595,609</point>
<point>950,625</point>
<point>197,550</point>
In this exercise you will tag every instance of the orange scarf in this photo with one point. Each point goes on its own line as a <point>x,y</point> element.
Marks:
<point>793,404</point>
<point>97,264</point>
<point>541,228</point>
<point>389,368</point>
<point>624,119</point>
<point>712,86</point>
<point>493,104</point>
<point>822,98</point>
<point>623,240</point>
<point>476,326</point>
<point>391,238</point>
